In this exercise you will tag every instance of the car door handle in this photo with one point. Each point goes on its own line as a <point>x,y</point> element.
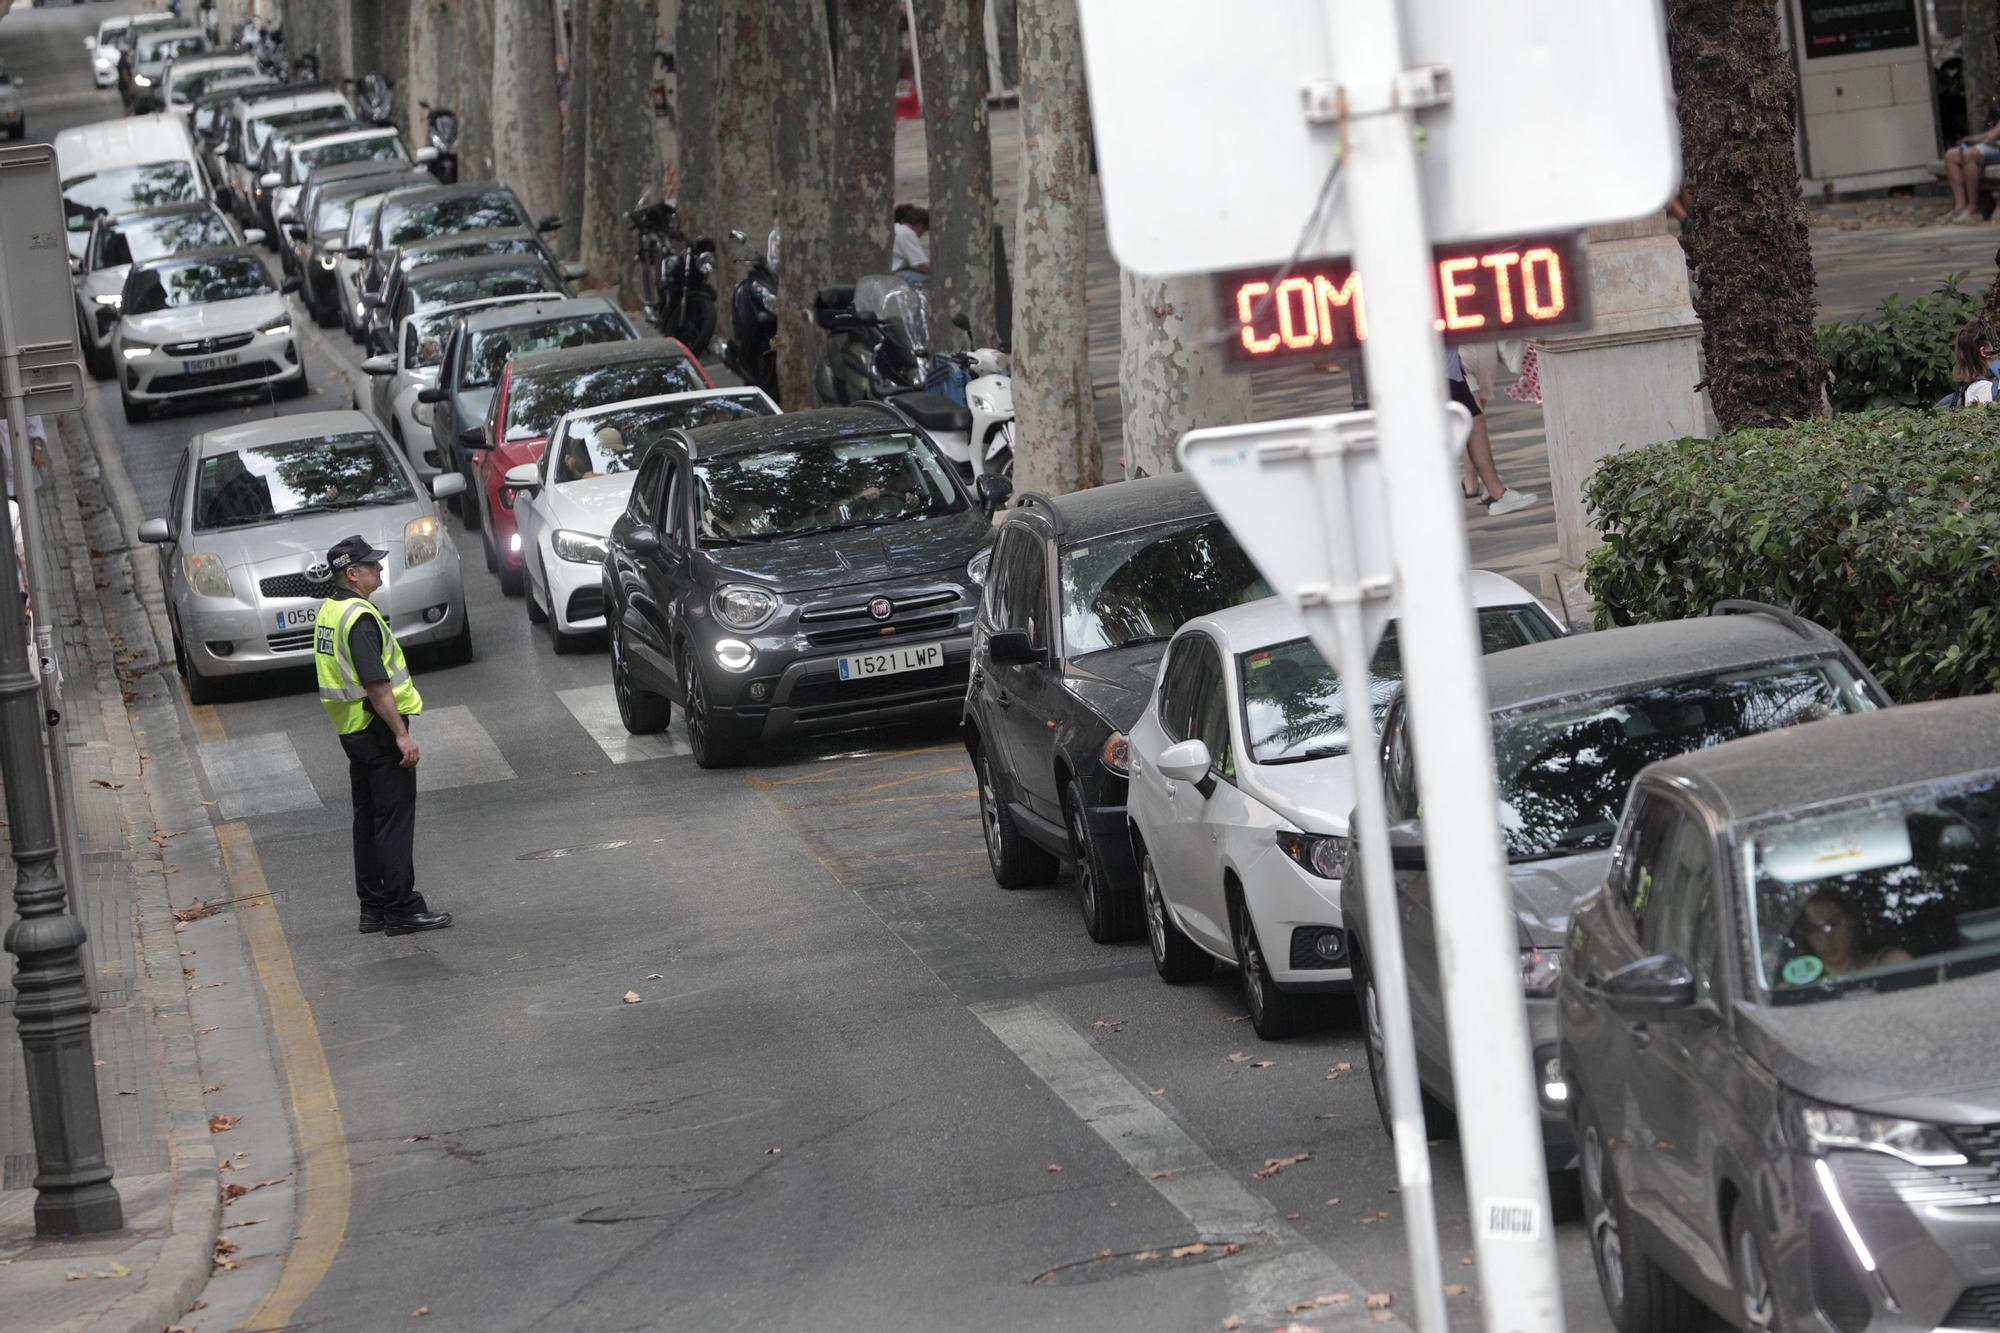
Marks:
<point>1001,700</point>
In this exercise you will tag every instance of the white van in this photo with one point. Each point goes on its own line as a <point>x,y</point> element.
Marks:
<point>121,165</point>
<point>250,123</point>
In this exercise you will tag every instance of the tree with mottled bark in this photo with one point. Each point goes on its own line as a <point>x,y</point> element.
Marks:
<point>1746,236</point>
<point>695,176</point>
<point>527,148</point>
<point>951,50</point>
<point>475,98</point>
<point>576,130</point>
<point>864,136</point>
<point>622,157</point>
<point>1979,62</point>
<point>432,72</point>
<point>802,170</point>
<point>1172,376</point>
<point>1056,443</point>
<point>745,91</point>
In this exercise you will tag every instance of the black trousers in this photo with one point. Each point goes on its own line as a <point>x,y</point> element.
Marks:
<point>385,821</point>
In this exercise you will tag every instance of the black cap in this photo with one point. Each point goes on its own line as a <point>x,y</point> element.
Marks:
<point>354,550</point>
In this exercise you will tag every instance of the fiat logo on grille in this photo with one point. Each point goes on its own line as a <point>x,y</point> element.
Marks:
<point>881,608</point>
<point>319,571</point>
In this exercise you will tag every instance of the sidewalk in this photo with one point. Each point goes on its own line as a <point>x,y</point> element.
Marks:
<point>149,1079</point>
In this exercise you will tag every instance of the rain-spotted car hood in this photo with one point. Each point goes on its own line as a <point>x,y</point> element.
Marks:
<point>208,320</point>
<point>292,545</point>
<point>591,505</point>
<point>906,551</point>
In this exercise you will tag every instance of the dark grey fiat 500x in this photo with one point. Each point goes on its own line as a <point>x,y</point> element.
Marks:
<point>1779,1025</point>
<point>793,572</point>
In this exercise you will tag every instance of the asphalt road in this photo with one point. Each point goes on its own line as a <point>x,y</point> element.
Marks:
<point>864,1088</point>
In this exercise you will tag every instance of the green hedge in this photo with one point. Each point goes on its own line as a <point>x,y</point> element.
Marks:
<point>1901,356</point>
<point>1884,527</point>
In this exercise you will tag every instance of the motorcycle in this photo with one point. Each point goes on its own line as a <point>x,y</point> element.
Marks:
<point>678,275</point>
<point>753,324</point>
<point>306,68</point>
<point>989,396</point>
<point>270,51</point>
<point>441,127</point>
<point>374,97</point>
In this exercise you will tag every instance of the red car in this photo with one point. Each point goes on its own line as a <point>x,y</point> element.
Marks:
<point>536,392</point>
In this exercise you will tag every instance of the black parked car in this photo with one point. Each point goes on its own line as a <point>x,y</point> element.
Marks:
<point>1574,720</point>
<point>795,572</point>
<point>1082,595</point>
<point>1778,1022</point>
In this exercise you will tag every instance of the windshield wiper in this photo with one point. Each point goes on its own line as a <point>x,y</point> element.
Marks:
<point>1317,752</point>
<point>333,506</point>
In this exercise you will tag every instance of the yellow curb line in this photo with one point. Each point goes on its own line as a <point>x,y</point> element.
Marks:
<point>327,1188</point>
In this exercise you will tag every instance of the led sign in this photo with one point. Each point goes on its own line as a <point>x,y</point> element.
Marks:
<point>1484,290</point>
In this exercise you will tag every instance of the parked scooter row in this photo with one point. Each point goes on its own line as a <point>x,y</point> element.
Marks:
<point>678,274</point>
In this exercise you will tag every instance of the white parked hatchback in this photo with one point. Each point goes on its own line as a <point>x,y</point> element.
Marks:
<point>202,323</point>
<point>1240,797</point>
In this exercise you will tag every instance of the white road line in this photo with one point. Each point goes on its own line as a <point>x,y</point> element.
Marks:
<point>595,708</point>
<point>1280,1266</point>
<point>257,775</point>
<point>456,750</point>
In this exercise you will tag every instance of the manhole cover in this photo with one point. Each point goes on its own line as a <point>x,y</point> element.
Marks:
<point>1106,1265</point>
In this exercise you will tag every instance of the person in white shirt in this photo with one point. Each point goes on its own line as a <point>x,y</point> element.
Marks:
<point>1978,363</point>
<point>909,257</point>
<point>38,440</point>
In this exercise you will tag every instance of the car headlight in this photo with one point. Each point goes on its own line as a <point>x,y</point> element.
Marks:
<point>982,560</point>
<point>1319,854</point>
<point>579,547</point>
<point>420,541</point>
<point>114,299</point>
<point>141,81</point>
<point>133,351</point>
<point>1116,753</point>
<point>734,655</point>
<point>207,575</point>
<point>745,607</point>
<point>277,327</point>
<point>980,402</point>
<point>1822,1127</point>
<point>1541,970</point>
<point>328,261</point>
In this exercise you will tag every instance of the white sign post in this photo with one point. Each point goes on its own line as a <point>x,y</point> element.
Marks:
<point>1218,142</point>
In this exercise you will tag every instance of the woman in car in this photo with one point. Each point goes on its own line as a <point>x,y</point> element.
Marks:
<point>1829,929</point>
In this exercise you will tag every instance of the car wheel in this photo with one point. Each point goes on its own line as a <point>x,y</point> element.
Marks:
<point>1640,1296</point>
<point>135,411</point>
<point>642,713</point>
<point>486,546</point>
<point>1274,1013</point>
<point>1756,1296</point>
<point>1175,957</point>
<point>98,359</point>
<point>1110,913</point>
<point>710,750</point>
<point>457,651</point>
<point>1439,1120</point>
<point>17,131</point>
<point>510,578</point>
<point>469,511</point>
<point>1016,862</point>
<point>536,615</point>
<point>201,689</point>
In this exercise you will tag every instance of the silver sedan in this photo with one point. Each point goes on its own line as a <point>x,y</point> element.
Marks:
<point>252,512</point>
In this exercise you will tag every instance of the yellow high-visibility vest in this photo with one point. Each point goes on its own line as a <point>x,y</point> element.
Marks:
<point>340,689</point>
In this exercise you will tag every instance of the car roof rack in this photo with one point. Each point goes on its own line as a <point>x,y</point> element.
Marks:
<point>1046,504</point>
<point>1739,606</point>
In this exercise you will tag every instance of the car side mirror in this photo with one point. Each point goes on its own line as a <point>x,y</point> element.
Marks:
<point>643,539</point>
<point>1406,845</point>
<point>1014,647</point>
<point>155,530</point>
<point>434,394</point>
<point>270,180</point>
<point>522,479</point>
<point>90,43</point>
<point>962,324</point>
<point>447,484</point>
<point>254,236</point>
<point>575,270</point>
<point>373,300</point>
<point>1186,761</point>
<point>549,223</point>
<point>356,252</point>
<point>993,489</point>
<point>379,365</point>
<point>425,156</point>
<point>1650,988</point>
<point>288,286</point>
<point>472,437</point>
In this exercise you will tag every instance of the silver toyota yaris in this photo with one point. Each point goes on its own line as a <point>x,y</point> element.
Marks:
<point>243,547</point>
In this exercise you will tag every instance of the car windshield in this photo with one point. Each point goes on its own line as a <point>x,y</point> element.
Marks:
<point>761,495</point>
<point>259,483</point>
<point>615,441</point>
<point>403,223</point>
<point>451,288</point>
<point>470,248</point>
<point>209,112</point>
<point>197,282</point>
<point>1292,703</point>
<point>361,222</point>
<point>1139,587</point>
<point>332,214</point>
<point>492,348</point>
<point>1565,767</point>
<point>260,128</point>
<point>382,148</point>
<point>136,240</point>
<point>1894,891</point>
<point>535,402</point>
<point>186,87</point>
<point>127,189</point>
<point>169,46</point>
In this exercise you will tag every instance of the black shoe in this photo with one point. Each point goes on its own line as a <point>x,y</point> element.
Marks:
<point>416,921</point>
<point>371,922</point>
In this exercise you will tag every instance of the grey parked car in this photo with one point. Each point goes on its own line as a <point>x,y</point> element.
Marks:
<point>1778,1018</point>
<point>243,547</point>
<point>1574,720</point>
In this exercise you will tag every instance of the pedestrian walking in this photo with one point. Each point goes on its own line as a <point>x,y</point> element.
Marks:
<point>1479,478</point>
<point>366,689</point>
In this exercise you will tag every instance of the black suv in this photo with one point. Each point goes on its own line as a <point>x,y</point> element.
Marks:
<point>792,572</point>
<point>1082,595</point>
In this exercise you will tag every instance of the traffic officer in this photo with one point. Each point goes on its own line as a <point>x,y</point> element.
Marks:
<point>365,686</point>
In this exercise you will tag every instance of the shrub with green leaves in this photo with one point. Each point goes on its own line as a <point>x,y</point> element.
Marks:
<point>1901,356</point>
<point>1884,527</point>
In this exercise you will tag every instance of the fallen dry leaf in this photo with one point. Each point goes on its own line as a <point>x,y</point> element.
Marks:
<point>222,1124</point>
<point>423,1310</point>
<point>1158,1092</point>
<point>1383,1316</point>
<point>115,1270</point>
<point>1053,1169</point>
<point>1262,1064</point>
<point>1161,1175</point>
<point>195,911</point>
<point>631,997</point>
<point>128,1092</point>
<point>98,1063</point>
<point>1454,1289</point>
<point>1297,1306</point>
<point>1144,1255</point>
<point>228,1166</point>
<point>108,786</point>
<point>1235,1018</point>
<point>773,1152</point>
<point>213,1087</point>
<point>1273,1165</point>
<point>1334,1200</point>
<point>231,1193</point>
<point>1234,1322</point>
<point>1183,1251</point>
<point>1466,1260</point>
<point>197,1305</point>
<point>1332,1298</point>
<point>416,1138</point>
<point>72,1276</point>
<point>1376,1300</point>
<point>656,976</point>
<point>1237,1058</point>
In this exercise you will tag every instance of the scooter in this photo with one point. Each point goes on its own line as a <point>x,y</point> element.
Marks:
<point>753,324</point>
<point>441,126</point>
<point>990,398</point>
<point>374,98</point>
<point>679,278</point>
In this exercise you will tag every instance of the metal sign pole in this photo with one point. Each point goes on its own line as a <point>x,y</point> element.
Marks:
<point>1491,1062</point>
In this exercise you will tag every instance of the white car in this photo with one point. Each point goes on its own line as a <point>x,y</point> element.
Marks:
<point>353,260</point>
<point>151,56</point>
<point>118,241</point>
<point>250,123</point>
<point>381,143</point>
<point>565,503</point>
<point>413,367</point>
<point>104,47</point>
<point>1240,796</point>
<point>201,323</point>
<point>188,77</point>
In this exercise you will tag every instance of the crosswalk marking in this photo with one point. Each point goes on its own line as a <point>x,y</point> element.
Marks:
<point>256,775</point>
<point>595,707</point>
<point>456,751</point>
